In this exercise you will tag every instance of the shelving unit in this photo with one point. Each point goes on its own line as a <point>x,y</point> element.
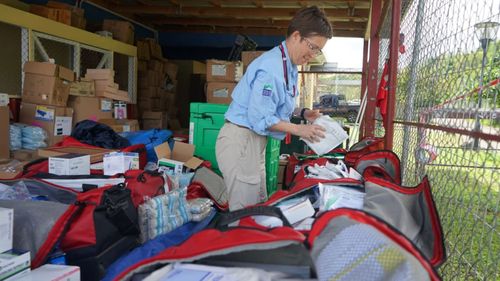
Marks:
<point>41,38</point>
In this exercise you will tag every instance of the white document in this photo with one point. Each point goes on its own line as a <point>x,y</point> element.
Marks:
<point>334,135</point>
<point>333,197</point>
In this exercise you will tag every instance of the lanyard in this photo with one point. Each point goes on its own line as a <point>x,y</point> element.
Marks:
<point>285,69</point>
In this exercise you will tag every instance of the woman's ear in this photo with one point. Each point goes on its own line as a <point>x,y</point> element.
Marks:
<point>296,36</point>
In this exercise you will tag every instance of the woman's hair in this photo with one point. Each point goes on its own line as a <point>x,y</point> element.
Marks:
<point>310,21</point>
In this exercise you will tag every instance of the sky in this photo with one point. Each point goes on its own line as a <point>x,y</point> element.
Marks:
<point>347,52</point>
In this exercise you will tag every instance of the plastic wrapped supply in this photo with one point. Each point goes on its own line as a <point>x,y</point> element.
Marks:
<point>33,137</point>
<point>15,137</point>
<point>18,191</point>
<point>163,213</point>
<point>199,205</point>
<point>334,135</point>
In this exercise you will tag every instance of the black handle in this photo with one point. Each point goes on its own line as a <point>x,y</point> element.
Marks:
<point>224,219</point>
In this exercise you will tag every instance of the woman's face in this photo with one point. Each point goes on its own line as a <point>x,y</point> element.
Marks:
<point>305,48</point>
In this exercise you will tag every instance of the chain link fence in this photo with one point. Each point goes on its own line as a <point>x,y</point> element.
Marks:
<point>447,123</point>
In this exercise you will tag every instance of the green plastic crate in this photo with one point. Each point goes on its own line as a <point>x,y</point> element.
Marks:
<point>205,122</point>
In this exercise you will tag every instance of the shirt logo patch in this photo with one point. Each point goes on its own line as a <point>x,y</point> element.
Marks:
<point>268,90</point>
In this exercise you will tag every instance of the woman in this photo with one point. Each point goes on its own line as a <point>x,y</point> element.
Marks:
<point>263,103</point>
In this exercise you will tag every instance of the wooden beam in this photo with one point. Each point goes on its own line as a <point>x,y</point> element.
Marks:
<point>248,31</point>
<point>269,23</point>
<point>234,12</point>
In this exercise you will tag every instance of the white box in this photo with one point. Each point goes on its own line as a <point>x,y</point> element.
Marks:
<point>53,272</point>
<point>169,164</point>
<point>6,229</point>
<point>13,264</point>
<point>120,162</point>
<point>70,164</point>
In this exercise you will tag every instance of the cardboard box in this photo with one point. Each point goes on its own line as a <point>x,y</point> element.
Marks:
<point>100,74</point>
<point>122,30</point>
<point>143,52</point>
<point>154,49</point>
<point>6,229</point>
<point>154,119</point>
<point>77,14</point>
<point>91,108</point>
<point>220,92</point>
<point>96,154</point>
<point>11,170</point>
<point>84,88</point>
<point>70,164</point>
<point>248,56</point>
<point>182,153</point>
<point>14,263</point>
<point>55,120</point>
<point>149,104</point>
<point>60,15</point>
<point>228,71</point>
<point>24,154</point>
<point>171,70</point>
<point>148,92</point>
<point>121,125</point>
<point>155,65</point>
<point>53,272</point>
<point>4,132</point>
<point>142,65</point>
<point>120,162</point>
<point>46,83</point>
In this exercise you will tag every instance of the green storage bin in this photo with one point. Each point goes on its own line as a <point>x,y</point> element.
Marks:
<point>205,121</point>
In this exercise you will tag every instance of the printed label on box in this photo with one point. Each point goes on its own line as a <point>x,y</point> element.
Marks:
<point>44,113</point>
<point>191,132</point>
<point>219,70</point>
<point>126,128</point>
<point>106,105</point>
<point>62,126</point>
<point>221,93</point>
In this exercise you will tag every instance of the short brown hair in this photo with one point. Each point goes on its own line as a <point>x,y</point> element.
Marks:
<point>310,21</point>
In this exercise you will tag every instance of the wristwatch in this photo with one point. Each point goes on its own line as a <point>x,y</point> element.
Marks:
<point>302,112</point>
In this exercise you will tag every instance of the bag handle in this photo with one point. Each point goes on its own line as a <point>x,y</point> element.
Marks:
<point>225,219</point>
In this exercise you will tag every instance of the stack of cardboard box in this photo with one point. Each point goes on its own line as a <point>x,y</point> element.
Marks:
<point>44,99</point>
<point>157,86</point>
<point>222,77</point>
<point>121,30</point>
<point>61,12</point>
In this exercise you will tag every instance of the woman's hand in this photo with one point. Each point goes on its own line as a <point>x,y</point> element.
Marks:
<point>311,115</point>
<point>311,132</point>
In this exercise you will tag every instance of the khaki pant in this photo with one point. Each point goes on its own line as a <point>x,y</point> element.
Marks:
<point>241,157</point>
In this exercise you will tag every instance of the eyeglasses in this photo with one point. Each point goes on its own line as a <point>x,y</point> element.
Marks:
<point>313,47</point>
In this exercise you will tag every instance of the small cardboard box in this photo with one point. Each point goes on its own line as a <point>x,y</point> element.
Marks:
<point>70,164</point>
<point>96,154</point>
<point>122,30</point>
<point>120,162</point>
<point>171,69</point>
<point>91,108</point>
<point>46,83</point>
<point>100,74</point>
<point>14,263</point>
<point>121,125</point>
<point>179,158</point>
<point>85,87</point>
<point>220,92</point>
<point>4,132</point>
<point>24,154</point>
<point>228,71</point>
<point>6,229</point>
<point>53,272</point>
<point>55,120</point>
